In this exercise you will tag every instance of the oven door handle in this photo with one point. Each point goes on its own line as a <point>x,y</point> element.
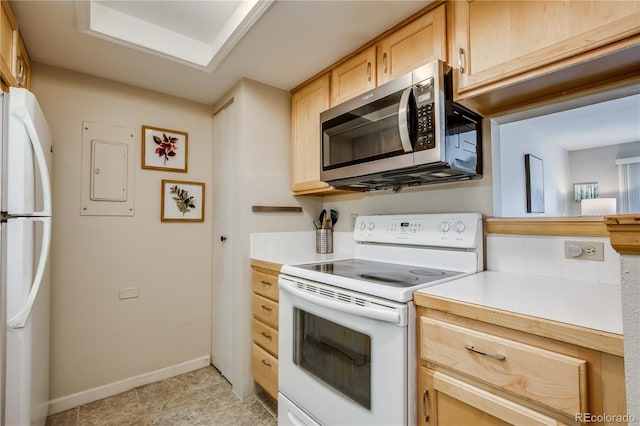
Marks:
<point>362,311</point>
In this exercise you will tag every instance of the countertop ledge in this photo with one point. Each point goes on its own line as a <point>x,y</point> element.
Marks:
<point>581,313</point>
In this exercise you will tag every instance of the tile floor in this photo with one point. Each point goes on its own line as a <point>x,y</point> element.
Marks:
<point>200,397</point>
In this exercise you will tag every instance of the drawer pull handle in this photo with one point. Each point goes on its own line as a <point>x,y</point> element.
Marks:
<point>425,411</point>
<point>265,282</point>
<point>266,308</point>
<point>494,356</point>
<point>264,361</point>
<point>267,336</point>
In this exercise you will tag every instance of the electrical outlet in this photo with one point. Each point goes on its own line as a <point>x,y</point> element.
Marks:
<point>354,217</point>
<point>588,250</point>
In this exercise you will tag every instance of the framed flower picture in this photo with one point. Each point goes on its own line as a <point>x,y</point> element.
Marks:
<point>164,149</point>
<point>182,201</point>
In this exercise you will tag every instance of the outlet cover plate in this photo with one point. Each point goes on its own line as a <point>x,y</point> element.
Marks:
<point>586,250</point>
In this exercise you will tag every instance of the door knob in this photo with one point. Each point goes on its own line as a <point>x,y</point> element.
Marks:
<point>223,238</point>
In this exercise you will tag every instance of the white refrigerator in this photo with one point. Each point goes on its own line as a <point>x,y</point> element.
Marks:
<point>25,205</point>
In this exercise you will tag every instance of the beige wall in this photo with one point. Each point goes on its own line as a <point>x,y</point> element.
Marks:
<point>97,338</point>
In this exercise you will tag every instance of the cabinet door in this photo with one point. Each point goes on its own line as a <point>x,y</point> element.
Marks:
<point>306,106</point>
<point>495,40</point>
<point>265,370</point>
<point>415,44</point>
<point>353,77</point>
<point>444,401</point>
<point>8,44</point>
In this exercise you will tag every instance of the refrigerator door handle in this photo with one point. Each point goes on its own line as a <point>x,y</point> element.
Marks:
<point>21,318</point>
<point>22,114</point>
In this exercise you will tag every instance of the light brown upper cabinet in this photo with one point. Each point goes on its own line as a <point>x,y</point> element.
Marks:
<point>8,45</point>
<point>15,65</point>
<point>306,105</point>
<point>498,43</point>
<point>354,76</point>
<point>415,44</point>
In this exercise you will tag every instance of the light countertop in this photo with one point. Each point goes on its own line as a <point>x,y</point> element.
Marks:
<point>591,305</point>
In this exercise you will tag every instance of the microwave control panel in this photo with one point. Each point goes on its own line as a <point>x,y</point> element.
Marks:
<point>425,99</point>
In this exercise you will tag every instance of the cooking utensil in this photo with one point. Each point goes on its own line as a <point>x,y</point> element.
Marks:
<point>334,217</point>
<point>323,219</point>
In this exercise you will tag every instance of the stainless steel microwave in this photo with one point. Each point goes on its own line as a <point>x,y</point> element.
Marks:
<point>406,132</point>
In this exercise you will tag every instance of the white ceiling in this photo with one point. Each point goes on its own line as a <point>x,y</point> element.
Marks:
<point>288,44</point>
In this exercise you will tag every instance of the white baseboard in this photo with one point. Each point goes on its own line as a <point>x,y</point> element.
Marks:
<point>70,401</point>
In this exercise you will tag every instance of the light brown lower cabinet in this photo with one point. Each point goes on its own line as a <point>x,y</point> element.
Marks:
<point>265,325</point>
<point>448,401</point>
<point>265,371</point>
<point>479,366</point>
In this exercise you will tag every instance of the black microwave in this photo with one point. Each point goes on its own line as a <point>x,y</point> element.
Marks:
<point>406,132</point>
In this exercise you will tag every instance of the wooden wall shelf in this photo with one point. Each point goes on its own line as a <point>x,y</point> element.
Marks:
<point>579,226</point>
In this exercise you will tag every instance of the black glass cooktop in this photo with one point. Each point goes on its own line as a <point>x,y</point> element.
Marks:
<point>391,274</point>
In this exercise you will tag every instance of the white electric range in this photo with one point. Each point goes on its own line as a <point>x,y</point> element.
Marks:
<point>347,327</point>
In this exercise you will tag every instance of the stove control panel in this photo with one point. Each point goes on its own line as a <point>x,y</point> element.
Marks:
<point>460,230</point>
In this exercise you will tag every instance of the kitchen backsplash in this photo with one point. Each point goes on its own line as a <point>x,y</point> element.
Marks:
<point>507,253</point>
<point>545,256</point>
<point>270,244</point>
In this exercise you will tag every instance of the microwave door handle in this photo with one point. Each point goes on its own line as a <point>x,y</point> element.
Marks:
<point>403,120</point>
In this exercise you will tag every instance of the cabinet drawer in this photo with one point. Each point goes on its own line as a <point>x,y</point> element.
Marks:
<point>266,337</point>
<point>265,310</point>
<point>265,285</point>
<point>555,380</point>
<point>265,371</point>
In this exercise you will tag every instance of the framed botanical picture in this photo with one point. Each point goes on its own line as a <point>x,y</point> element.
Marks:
<point>535,183</point>
<point>182,201</point>
<point>164,149</point>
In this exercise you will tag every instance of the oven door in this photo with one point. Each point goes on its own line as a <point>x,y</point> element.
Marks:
<point>342,355</point>
<point>371,134</point>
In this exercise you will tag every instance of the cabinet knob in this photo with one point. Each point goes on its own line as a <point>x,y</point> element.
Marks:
<point>223,238</point>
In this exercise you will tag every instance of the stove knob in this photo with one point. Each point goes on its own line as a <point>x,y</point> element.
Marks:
<point>371,226</point>
<point>444,227</point>
<point>460,227</point>
<point>362,226</point>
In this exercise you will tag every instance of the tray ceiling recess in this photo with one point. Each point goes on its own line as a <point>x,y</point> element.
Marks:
<point>196,33</point>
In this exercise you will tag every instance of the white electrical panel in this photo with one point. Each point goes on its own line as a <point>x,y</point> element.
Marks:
<point>107,170</point>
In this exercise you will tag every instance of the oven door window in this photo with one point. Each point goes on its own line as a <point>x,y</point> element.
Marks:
<point>334,354</point>
<point>368,133</point>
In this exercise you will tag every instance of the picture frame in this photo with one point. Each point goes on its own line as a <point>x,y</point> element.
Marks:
<point>182,201</point>
<point>534,172</point>
<point>164,149</point>
<point>585,190</point>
